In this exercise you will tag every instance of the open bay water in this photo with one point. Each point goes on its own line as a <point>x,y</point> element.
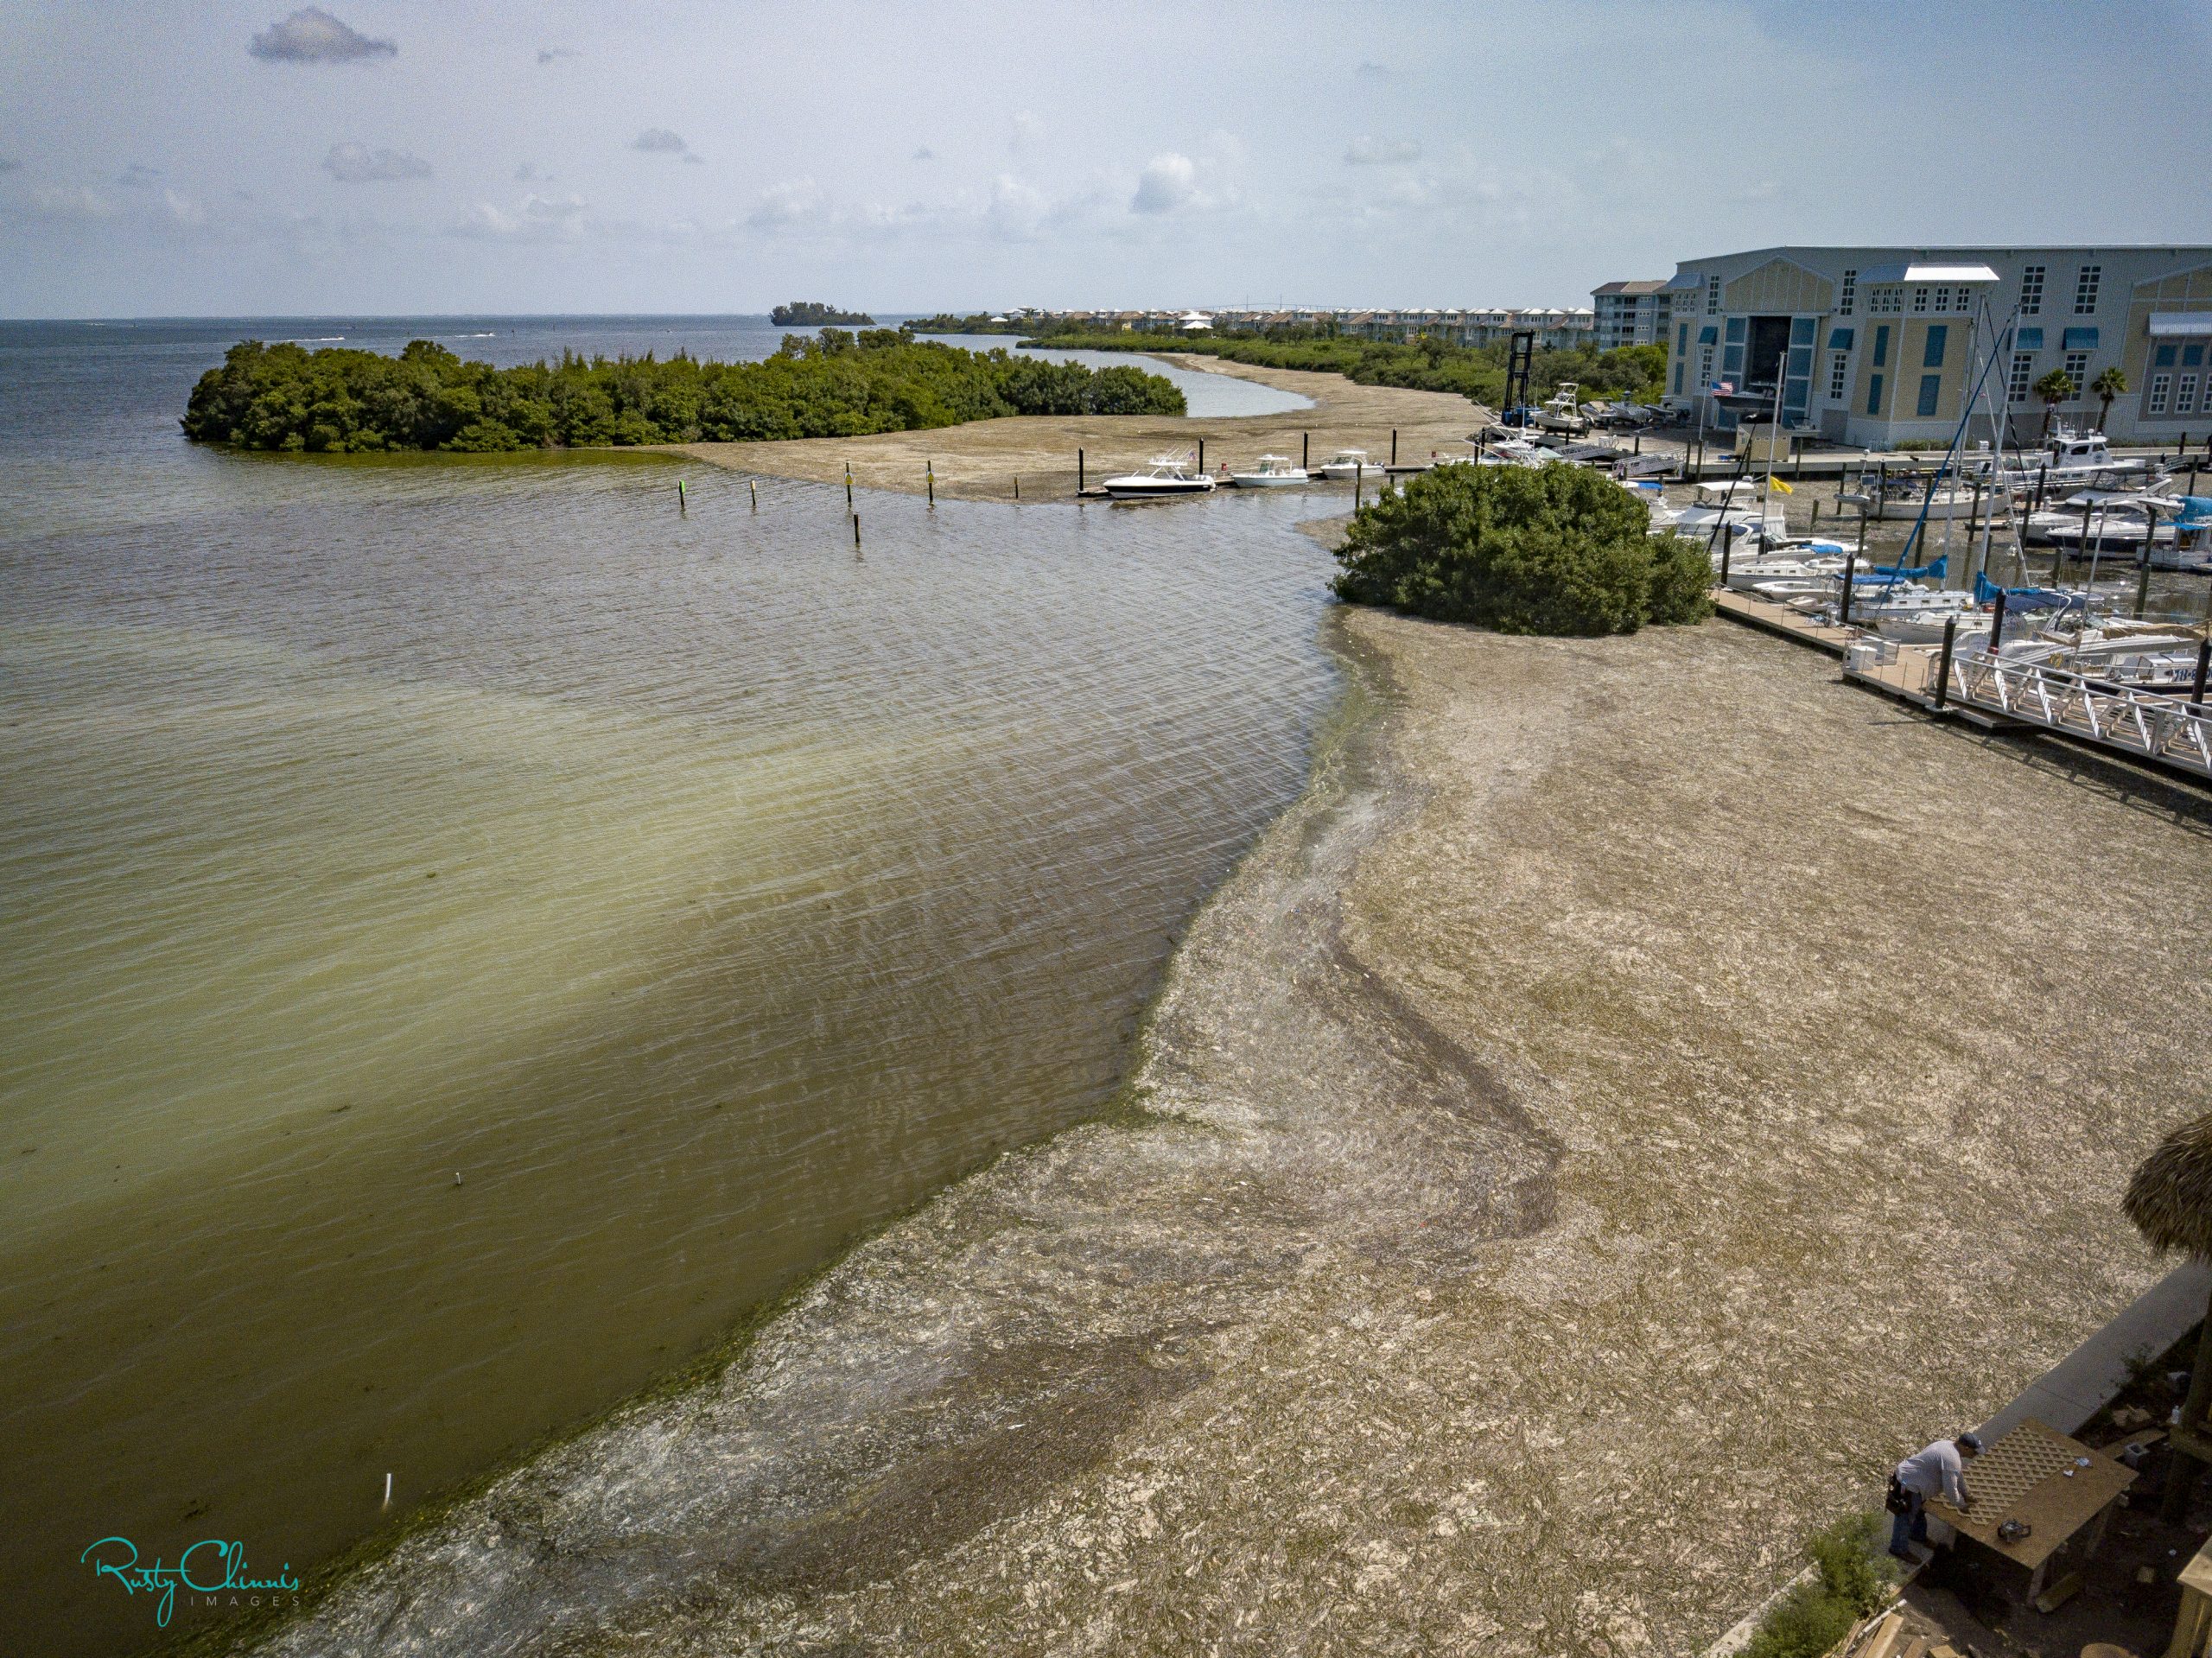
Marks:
<point>469,935</point>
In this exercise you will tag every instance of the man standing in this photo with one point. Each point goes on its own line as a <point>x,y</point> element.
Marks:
<point>1937,1471</point>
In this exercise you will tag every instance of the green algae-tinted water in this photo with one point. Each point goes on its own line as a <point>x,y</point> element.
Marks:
<point>471,933</point>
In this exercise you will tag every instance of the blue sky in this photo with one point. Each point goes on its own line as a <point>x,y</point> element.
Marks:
<point>399,156</point>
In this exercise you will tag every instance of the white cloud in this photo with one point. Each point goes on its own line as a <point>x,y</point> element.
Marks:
<point>184,211</point>
<point>537,218</point>
<point>355,163</point>
<point>313,35</point>
<point>659,141</point>
<point>788,205</point>
<point>1381,152</point>
<point>82,202</point>
<point>1028,131</point>
<point>1016,211</point>
<point>1169,181</point>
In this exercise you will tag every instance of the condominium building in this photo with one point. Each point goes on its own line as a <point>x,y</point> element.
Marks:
<point>1878,346</point>
<point>1630,312</point>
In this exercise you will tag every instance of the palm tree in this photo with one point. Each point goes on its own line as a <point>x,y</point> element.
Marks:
<point>2170,1200</point>
<point>2054,388</point>
<point>2113,383</point>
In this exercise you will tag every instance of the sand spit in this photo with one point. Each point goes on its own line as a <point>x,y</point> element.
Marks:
<point>1591,1133</point>
<point>980,460</point>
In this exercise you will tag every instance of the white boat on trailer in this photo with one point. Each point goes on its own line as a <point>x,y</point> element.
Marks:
<point>1168,474</point>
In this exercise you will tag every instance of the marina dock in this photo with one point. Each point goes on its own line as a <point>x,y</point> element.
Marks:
<point>2170,733</point>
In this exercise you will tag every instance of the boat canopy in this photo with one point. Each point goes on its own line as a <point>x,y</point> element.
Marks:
<point>1938,567</point>
<point>1913,271</point>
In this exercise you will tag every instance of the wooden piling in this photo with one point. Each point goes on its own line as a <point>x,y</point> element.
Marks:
<point>856,529</point>
<point>2204,663</point>
<point>2142,561</point>
<point>1394,445</point>
<point>1202,455</point>
<point>1078,471</point>
<point>929,479</point>
<point>1996,627</point>
<point>753,488</point>
<point>1943,659</point>
<point>1305,452</point>
<point>849,487</point>
<point>1017,488</point>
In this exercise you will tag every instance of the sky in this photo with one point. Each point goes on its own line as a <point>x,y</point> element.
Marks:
<point>248,158</point>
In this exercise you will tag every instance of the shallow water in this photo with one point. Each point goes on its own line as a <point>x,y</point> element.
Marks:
<point>1210,396</point>
<point>472,932</point>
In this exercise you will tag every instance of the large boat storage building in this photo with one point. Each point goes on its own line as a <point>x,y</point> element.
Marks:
<point>1878,345</point>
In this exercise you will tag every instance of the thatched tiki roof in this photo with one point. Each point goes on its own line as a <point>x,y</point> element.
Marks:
<point>2170,1199</point>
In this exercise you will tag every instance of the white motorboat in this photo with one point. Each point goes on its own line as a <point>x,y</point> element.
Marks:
<point>1720,504</point>
<point>2114,519</point>
<point>1168,474</point>
<point>2068,459</point>
<point>1906,496</point>
<point>1269,472</point>
<point>1346,465</point>
<point>1562,410</point>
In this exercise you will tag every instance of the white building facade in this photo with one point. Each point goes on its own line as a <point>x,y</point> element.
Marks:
<point>1874,346</point>
<point>1630,312</point>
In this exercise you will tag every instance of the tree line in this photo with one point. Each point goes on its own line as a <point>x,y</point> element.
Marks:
<point>830,384</point>
<point>1427,364</point>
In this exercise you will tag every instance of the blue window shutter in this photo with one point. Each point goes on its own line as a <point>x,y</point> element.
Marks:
<point>1874,395</point>
<point>1839,339</point>
<point>2031,339</point>
<point>1931,387</point>
<point>1938,336</point>
<point>1881,346</point>
<point>2080,339</point>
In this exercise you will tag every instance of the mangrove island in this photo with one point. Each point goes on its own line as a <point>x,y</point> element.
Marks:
<point>833,385</point>
<point>813,314</point>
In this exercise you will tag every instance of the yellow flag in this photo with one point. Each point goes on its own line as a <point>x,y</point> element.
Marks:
<point>1774,482</point>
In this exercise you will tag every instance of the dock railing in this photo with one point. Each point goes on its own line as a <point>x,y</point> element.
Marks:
<point>2157,727</point>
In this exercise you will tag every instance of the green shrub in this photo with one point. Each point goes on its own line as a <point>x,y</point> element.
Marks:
<point>1805,1623</point>
<point>1853,1581</point>
<point>1524,549</point>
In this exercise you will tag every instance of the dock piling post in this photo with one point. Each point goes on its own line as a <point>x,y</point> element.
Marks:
<point>753,488</point>
<point>1078,471</point>
<point>1358,481</point>
<point>1850,573</point>
<point>2143,559</point>
<point>929,477</point>
<point>1727,547</point>
<point>2204,663</point>
<point>856,529</point>
<point>849,487</point>
<point>1997,623</point>
<point>1394,445</point>
<point>1304,450</point>
<point>1202,455</point>
<point>1943,660</point>
<point>1816,515</point>
<point>681,504</point>
<point>1017,486</point>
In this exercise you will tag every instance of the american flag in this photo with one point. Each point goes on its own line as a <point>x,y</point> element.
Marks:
<point>1724,388</point>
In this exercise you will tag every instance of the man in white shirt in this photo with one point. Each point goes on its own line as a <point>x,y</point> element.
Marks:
<point>1938,1470</point>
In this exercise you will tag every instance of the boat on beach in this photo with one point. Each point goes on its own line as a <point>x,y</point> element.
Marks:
<point>1562,410</point>
<point>1270,472</point>
<point>1168,474</point>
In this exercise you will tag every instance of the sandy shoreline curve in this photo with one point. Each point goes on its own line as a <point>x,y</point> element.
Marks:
<point>1633,1093</point>
<point>981,459</point>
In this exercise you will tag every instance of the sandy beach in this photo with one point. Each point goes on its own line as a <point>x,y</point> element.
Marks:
<point>981,461</point>
<point>1642,1088</point>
